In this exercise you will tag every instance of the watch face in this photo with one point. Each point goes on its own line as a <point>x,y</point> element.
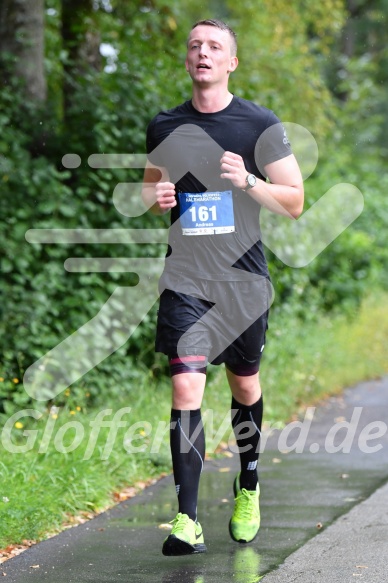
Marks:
<point>251,179</point>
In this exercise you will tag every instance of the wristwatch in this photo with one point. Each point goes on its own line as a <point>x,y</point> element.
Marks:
<point>251,181</point>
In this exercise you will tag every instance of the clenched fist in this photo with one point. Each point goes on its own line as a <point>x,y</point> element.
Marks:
<point>233,169</point>
<point>165,196</point>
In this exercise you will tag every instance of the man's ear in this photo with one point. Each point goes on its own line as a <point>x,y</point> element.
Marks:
<point>233,64</point>
<point>186,65</point>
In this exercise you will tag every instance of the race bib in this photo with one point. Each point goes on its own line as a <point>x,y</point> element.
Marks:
<point>206,213</point>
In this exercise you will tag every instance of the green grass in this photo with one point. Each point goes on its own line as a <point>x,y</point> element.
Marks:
<point>303,363</point>
<point>41,490</point>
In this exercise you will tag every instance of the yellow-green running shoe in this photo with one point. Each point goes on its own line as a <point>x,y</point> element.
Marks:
<point>245,522</point>
<point>186,537</point>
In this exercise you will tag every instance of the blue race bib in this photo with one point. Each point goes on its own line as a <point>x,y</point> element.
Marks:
<point>206,213</point>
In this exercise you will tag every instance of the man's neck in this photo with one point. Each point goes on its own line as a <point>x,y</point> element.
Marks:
<point>210,100</point>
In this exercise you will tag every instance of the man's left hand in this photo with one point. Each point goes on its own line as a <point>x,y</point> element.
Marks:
<point>233,169</point>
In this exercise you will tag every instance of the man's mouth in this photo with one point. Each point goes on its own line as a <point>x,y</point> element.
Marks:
<point>203,66</point>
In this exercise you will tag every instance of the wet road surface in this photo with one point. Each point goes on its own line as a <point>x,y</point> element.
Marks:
<point>302,494</point>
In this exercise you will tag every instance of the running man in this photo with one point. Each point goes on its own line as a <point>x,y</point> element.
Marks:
<point>213,161</point>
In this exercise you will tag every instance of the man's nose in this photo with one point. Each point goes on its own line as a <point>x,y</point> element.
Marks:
<point>203,50</point>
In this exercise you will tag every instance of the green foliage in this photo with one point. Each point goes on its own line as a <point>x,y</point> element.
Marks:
<point>290,60</point>
<point>42,303</point>
<point>281,48</point>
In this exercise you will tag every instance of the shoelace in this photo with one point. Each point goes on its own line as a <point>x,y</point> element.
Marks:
<point>180,522</point>
<point>246,506</point>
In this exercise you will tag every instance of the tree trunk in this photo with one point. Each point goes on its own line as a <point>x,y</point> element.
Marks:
<point>22,36</point>
<point>81,41</point>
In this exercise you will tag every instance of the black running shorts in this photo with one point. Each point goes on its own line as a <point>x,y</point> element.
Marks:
<point>226,321</point>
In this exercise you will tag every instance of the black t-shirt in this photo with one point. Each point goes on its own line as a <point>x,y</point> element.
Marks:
<point>190,145</point>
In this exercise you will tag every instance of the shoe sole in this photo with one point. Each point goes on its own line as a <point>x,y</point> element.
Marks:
<point>175,547</point>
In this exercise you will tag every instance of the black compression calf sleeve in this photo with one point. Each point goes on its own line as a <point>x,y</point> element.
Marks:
<point>246,422</point>
<point>187,440</point>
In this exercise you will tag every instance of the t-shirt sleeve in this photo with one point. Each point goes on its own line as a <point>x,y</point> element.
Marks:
<point>273,143</point>
<point>152,143</point>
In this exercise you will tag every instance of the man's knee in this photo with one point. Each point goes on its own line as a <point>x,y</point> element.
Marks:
<point>188,375</point>
<point>245,389</point>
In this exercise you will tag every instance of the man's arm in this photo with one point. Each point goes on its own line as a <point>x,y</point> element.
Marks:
<point>284,194</point>
<point>158,193</point>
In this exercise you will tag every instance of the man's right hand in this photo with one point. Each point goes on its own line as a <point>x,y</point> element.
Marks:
<point>158,192</point>
<point>165,196</point>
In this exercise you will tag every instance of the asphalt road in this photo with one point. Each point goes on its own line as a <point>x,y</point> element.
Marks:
<point>324,513</point>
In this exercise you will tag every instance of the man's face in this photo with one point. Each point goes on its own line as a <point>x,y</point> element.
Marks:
<point>209,57</point>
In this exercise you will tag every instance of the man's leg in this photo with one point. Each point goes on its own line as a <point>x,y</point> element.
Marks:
<point>187,438</point>
<point>187,442</point>
<point>247,414</point>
